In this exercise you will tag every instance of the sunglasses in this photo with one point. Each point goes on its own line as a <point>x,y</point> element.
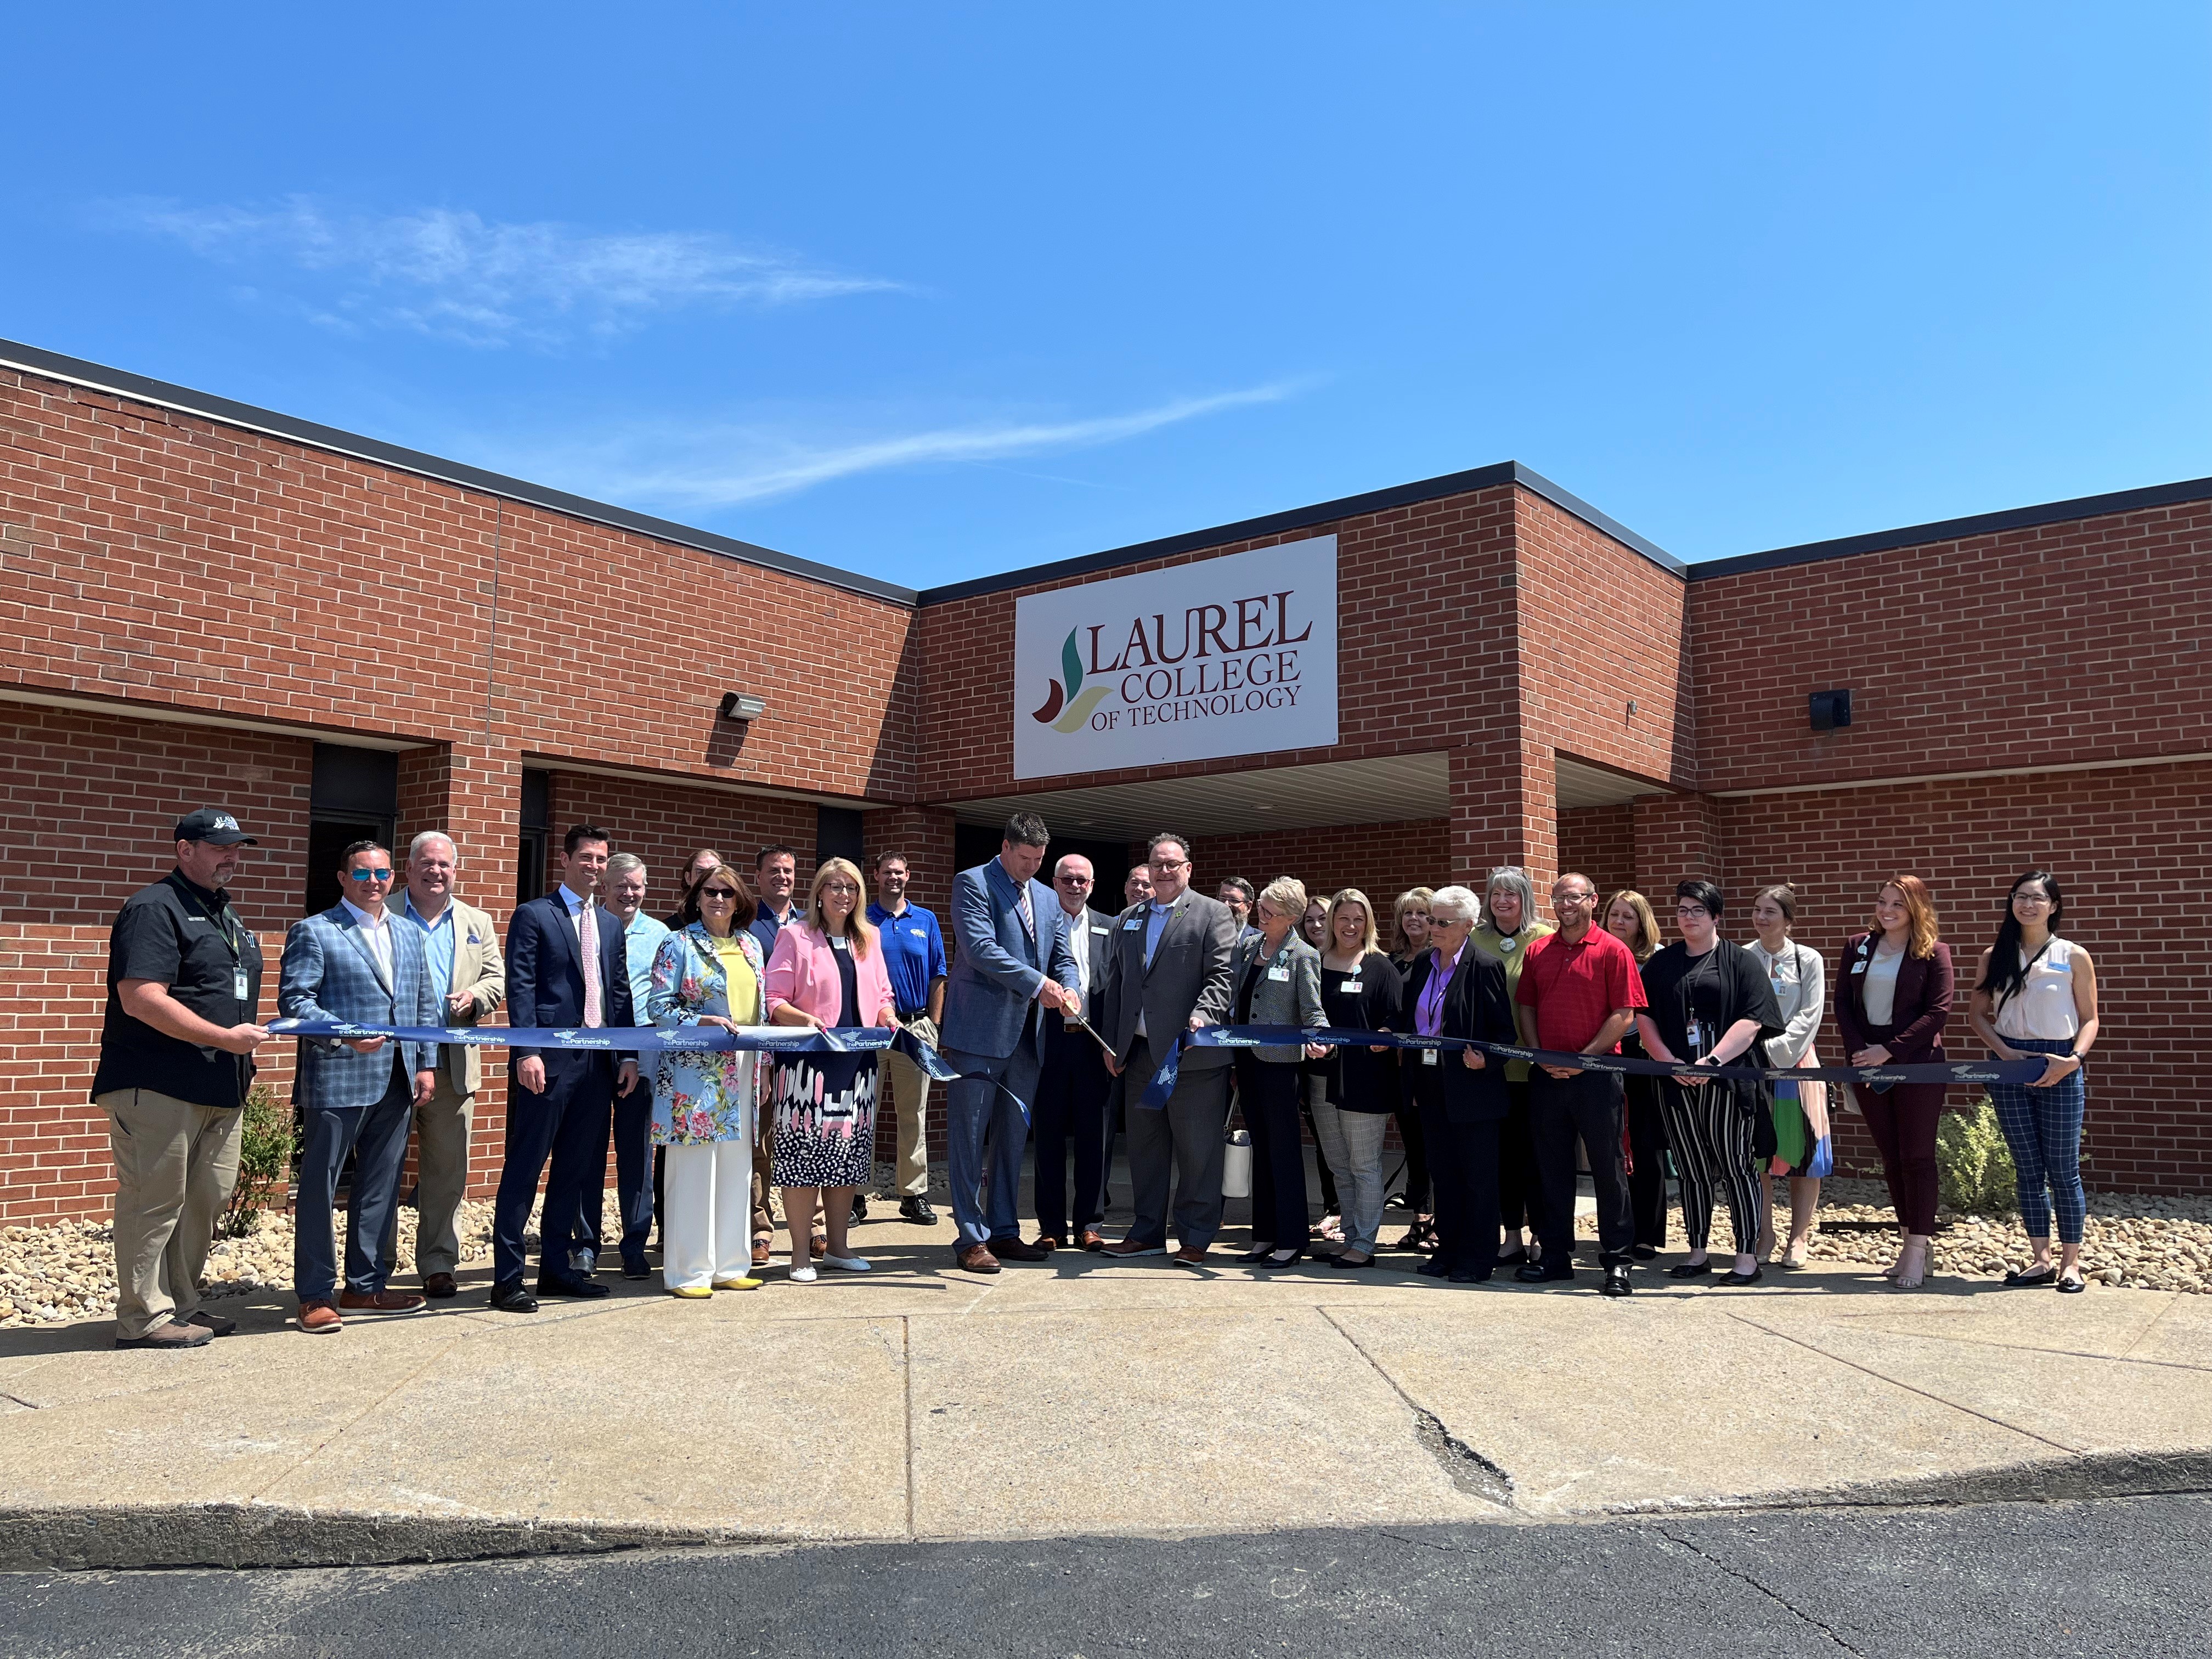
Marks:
<point>1073,881</point>
<point>368,875</point>
<point>719,893</point>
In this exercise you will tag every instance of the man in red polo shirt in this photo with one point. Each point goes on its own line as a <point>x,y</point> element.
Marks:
<point>1579,994</point>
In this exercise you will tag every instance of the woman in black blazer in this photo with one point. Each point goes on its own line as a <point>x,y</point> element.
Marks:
<point>1902,963</point>
<point>1461,1096</point>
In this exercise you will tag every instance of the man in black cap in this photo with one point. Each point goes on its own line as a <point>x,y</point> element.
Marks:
<point>184,986</point>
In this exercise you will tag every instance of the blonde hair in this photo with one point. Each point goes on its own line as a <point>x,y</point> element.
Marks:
<point>1647,923</point>
<point>1288,894</point>
<point>1411,898</point>
<point>1353,896</point>
<point>862,933</point>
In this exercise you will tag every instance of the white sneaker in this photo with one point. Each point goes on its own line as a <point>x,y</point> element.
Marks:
<point>851,1264</point>
<point>802,1273</point>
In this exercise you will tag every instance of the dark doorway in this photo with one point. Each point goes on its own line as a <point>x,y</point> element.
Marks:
<point>975,843</point>
<point>536,819</point>
<point>355,797</point>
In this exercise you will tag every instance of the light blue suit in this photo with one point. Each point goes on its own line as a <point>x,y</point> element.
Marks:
<point>993,1036</point>
<point>353,1103</point>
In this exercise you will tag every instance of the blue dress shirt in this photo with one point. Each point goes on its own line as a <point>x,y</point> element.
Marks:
<point>437,948</point>
<point>641,937</point>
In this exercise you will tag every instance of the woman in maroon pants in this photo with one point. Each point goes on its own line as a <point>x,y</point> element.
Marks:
<point>1894,991</point>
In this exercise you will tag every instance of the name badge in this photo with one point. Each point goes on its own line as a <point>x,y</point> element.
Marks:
<point>2060,967</point>
<point>238,984</point>
<point>1428,1056</point>
<point>1135,927</point>
<point>1102,932</point>
<point>1505,944</point>
<point>1348,988</point>
<point>1280,971</point>
<point>1858,967</point>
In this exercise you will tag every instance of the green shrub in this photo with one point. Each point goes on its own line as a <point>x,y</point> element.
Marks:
<point>268,1145</point>
<point>1973,1166</point>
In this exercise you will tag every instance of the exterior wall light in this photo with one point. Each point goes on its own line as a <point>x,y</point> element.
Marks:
<point>742,706</point>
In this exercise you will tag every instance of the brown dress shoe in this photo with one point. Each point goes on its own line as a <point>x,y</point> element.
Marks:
<point>318,1318</point>
<point>817,1247</point>
<point>978,1259</point>
<point>170,1335</point>
<point>1135,1247</point>
<point>1045,1243</point>
<point>1012,1250</point>
<point>440,1286</point>
<point>760,1252</point>
<point>380,1301</point>
<point>1190,1258</point>
<point>1092,1239</point>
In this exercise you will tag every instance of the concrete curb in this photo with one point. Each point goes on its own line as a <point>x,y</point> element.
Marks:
<point>79,1539</point>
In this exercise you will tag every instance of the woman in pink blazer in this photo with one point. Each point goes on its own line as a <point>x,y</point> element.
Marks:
<point>827,971</point>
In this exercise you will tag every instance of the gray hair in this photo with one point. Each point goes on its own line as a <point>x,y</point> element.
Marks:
<point>423,840</point>
<point>1514,879</point>
<point>1286,893</point>
<point>1459,900</point>
<point>622,863</point>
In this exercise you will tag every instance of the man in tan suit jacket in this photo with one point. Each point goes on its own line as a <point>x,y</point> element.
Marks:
<point>460,940</point>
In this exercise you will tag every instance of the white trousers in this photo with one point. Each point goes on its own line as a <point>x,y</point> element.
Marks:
<point>706,1219</point>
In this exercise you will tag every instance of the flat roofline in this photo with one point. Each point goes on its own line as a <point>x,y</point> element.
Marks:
<point>98,377</point>
<point>1303,518</point>
<point>1954,530</point>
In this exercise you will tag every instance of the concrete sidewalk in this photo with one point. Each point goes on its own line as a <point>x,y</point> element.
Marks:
<point>1078,1397</point>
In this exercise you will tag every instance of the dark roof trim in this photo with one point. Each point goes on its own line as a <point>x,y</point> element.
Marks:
<point>97,377</point>
<point>1300,518</point>
<point>1951,529</point>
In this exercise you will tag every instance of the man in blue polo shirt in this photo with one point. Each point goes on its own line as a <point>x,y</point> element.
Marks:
<point>914,955</point>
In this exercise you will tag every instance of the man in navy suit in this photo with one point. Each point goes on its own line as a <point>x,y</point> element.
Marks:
<point>1013,966</point>
<point>1073,1089</point>
<point>565,967</point>
<point>357,1094</point>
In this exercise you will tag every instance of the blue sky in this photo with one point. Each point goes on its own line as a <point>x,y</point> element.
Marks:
<point>929,292</point>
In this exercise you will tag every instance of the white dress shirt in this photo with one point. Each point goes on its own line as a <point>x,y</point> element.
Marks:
<point>376,935</point>
<point>1078,940</point>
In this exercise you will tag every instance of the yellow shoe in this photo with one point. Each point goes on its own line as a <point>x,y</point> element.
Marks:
<point>748,1283</point>
<point>690,1292</point>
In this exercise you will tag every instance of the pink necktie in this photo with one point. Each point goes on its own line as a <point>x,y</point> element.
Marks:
<point>587,930</point>
<point>1027,915</point>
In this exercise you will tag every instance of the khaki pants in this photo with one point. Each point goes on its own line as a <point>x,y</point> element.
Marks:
<point>441,1179</point>
<point>176,1164</point>
<point>909,1086</point>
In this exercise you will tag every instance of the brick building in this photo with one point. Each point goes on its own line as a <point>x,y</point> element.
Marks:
<point>206,603</point>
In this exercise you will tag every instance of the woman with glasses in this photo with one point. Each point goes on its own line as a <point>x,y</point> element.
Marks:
<point>827,970</point>
<point>1628,918</point>
<point>707,972</point>
<point>2037,995</point>
<point>1893,995</point>
<point>1275,977</point>
<point>1708,1005</point>
<point>1360,989</point>
<point>1798,978</point>
<point>1409,940</point>
<point>1508,924</point>
<point>1455,990</point>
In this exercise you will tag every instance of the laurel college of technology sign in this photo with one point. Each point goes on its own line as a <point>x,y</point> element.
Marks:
<point>1229,656</point>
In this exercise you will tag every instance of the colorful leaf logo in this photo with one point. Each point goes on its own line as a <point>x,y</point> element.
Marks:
<point>1077,703</point>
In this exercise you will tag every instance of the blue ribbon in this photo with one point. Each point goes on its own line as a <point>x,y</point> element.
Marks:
<point>644,1039</point>
<point>1285,1036</point>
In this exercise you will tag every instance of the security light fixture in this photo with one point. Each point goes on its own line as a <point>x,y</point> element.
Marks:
<point>742,706</point>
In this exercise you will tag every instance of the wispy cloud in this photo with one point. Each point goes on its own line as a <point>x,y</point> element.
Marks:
<point>693,468</point>
<point>453,274</point>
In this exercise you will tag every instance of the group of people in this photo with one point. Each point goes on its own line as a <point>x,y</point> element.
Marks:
<point>1056,1018</point>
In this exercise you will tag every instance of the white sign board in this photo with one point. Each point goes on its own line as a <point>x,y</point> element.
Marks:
<point>1229,656</point>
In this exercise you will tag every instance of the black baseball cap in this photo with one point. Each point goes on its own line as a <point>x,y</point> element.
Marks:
<point>210,825</point>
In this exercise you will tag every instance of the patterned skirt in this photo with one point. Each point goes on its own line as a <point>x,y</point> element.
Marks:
<point>825,1121</point>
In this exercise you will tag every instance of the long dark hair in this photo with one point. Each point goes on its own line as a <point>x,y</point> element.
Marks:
<point>2005,975</point>
<point>740,918</point>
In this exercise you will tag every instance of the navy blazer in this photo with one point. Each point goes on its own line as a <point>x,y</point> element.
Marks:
<point>998,968</point>
<point>545,976</point>
<point>329,973</point>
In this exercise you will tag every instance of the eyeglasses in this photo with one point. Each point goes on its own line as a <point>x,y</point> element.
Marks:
<point>839,887</point>
<point>368,875</point>
<point>2031,898</point>
<point>1691,911</point>
<point>1170,864</point>
<point>718,893</point>
<point>1072,881</point>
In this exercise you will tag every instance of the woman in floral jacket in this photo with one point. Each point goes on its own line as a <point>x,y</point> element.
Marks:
<point>708,973</point>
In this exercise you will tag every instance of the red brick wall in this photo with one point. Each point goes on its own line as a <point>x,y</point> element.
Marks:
<point>1380,860</point>
<point>1600,842</point>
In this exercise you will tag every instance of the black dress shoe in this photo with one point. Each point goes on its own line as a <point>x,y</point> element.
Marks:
<point>1470,1275</point>
<point>510,1298</point>
<point>1435,1268</point>
<point>1616,1281</point>
<point>2026,1277</point>
<point>1260,1255</point>
<point>1345,1259</point>
<point>918,1209</point>
<point>570,1284</point>
<point>860,1207</point>
<point>1645,1252</point>
<point>1732,1276</point>
<point>1690,1269</point>
<point>1013,1250</point>
<point>636,1269</point>
<point>1537,1272</point>
<point>1514,1258</point>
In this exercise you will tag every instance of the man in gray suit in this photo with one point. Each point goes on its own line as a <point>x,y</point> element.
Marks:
<point>1168,976</point>
<point>1013,962</point>
<point>354,964</point>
